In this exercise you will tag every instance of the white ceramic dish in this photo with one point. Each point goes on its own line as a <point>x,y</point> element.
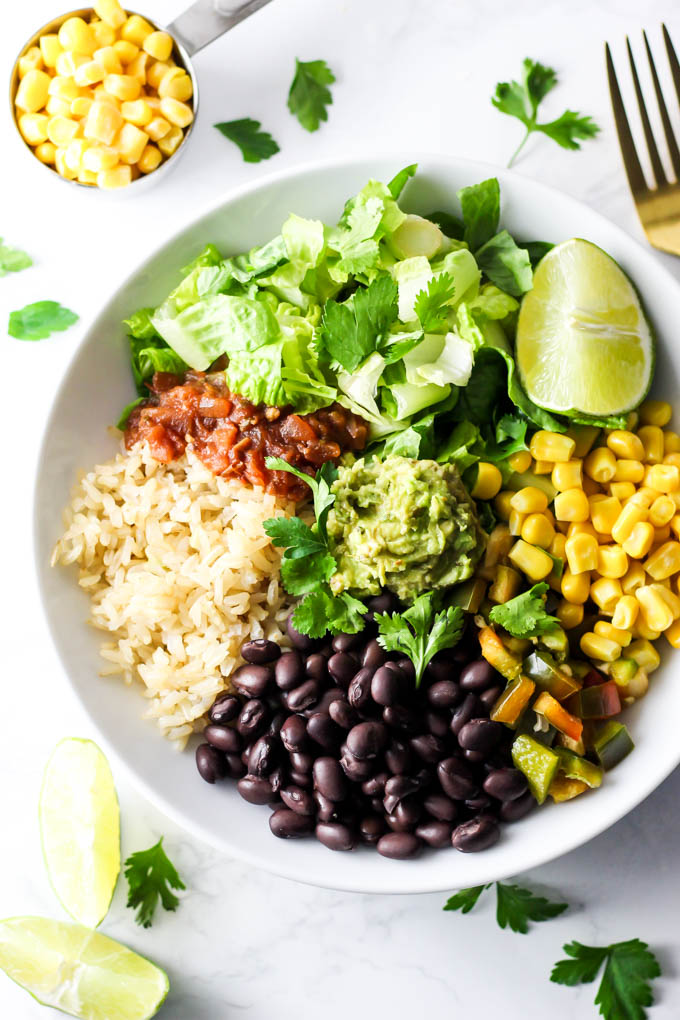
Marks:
<point>98,385</point>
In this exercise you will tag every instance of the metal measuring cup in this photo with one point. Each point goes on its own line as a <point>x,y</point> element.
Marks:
<point>199,25</point>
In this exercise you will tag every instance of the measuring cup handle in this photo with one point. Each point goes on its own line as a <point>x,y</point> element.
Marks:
<point>205,20</point>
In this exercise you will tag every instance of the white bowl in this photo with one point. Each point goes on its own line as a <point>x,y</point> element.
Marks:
<point>98,385</point>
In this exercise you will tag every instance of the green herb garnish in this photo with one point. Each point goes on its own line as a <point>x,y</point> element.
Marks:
<point>525,615</point>
<point>420,632</point>
<point>13,260</point>
<point>40,320</point>
<point>309,93</point>
<point>151,876</point>
<point>255,145</point>
<point>353,330</point>
<point>628,968</point>
<point>515,905</point>
<point>430,304</point>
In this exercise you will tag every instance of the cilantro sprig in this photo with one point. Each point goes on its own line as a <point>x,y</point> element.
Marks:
<point>151,876</point>
<point>39,320</point>
<point>625,989</point>
<point>255,144</point>
<point>430,304</point>
<point>516,906</point>
<point>420,632</point>
<point>521,99</point>
<point>353,329</point>
<point>525,616</point>
<point>309,94</point>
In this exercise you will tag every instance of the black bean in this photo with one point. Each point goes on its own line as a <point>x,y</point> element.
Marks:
<point>407,668</point>
<point>260,652</point>
<point>405,816</point>
<point>435,833</point>
<point>223,738</point>
<point>235,766</point>
<point>490,696</point>
<point>437,723</point>
<point>298,640</point>
<point>440,671</point>
<point>335,836</point>
<point>505,784</point>
<point>326,700</point>
<point>300,761</point>
<point>226,708</point>
<point>210,763</point>
<point>373,655</point>
<point>377,805</point>
<point>294,733</point>
<point>367,739</point>
<point>386,602</point>
<point>255,789</point>
<point>326,810</point>
<point>359,690</point>
<point>477,676</point>
<point>440,807</point>
<point>398,717</point>
<point>428,747</point>
<point>371,828</point>
<point>298,800</point>
<point>444,694</point>
<point>375,786</point>
<point>356,769</point>
<point>474,757</point>
<point>388,685</point>
<point>400,846</point>
<point>513,810</point>
<point>251,680</point>
<point>551,602</point>
<point>346,642</point>
<point>398,757</point>
<point>276,779</point>
<point>480,735</point>
<point>262,757</point>
<point>324,731</point>
<point>456,779</point>
<point>316,667</point>
<point>343,714</point>
<point>396,789</point>
<point>287,824</point>
<point>469,708</point>
<point>425,777</point>
<point>289,671</point>
<point>342,668</point>
<point>253,719</point>
<point>303,779</point>
<point>277,721</point>
<point>481,804</point>
<point>303,696</point>
<point>329,778</point>
<point>477,834</point>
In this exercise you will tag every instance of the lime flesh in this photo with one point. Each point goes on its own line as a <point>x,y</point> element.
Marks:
<point>79,971</point>
<point>584,345</point>
<point>80,829</point>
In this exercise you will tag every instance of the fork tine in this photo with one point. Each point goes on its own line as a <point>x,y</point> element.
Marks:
<point>665,119</point>
<point>657,166</point>
<point>636,178</point>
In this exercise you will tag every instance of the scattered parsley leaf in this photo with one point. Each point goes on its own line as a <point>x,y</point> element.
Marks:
<point>40,320</point>
<point>521,99</point>
<point>309,95</point>
<point>525,615</point>
<point>516,906</point>
<point>151,876</point>
<point>419,632</point>
<point>320,611</point>
<point>399,181</point>
<point>255,145</point>
<point>624,989</point>
<point>466,899</point>
<point>13,260</point>
<point>354,329</point>
<point>430,304</point>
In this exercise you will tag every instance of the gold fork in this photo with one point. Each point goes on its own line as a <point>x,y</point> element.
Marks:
<point>657,207</point>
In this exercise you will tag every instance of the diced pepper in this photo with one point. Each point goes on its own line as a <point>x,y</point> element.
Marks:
<point>575,746</point>
<point>506,584</point>
<point>542,668</point>
<point>612,743</point>
<point>497,655</point>
<point>562,788</point>
<point>593,678</point>
<point>622,671</point>
<point>598,702</point>
<point>575,767</point>
<point>469,595</point>
<point>516,646</point>
<point>556,641</point>
<point>558,716</point>
<point>538,763</point>
<point>512,702</point>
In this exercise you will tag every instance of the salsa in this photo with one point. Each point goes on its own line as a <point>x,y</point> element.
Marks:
<point>233,437</point>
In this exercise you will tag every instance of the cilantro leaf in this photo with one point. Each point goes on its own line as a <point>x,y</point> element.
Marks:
<point>525,615</point>
<point>521,99</point>
<point>294,535</point>
<point>320,486</point>
<point>40,320</point>
<point>320,611</point>
<point>624,989</point>
<point>430,304</point>
<point>466,899</point>
<point>399,181</point>
<point>255,145</point>
<point>419,632</point>
<point>13,260</point>
<point>481,206</point>
<point>354,329</point>
<point>151,876</point>
<point>304,575</point>
<point>309,95</point>
<point>505,264</point>
<point>515,906</point>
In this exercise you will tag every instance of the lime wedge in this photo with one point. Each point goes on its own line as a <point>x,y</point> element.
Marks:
<point>80,971</point>
<point>584,345</point>
<point>80,828</point>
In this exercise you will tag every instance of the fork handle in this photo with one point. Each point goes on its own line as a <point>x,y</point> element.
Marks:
<point>206,20</point>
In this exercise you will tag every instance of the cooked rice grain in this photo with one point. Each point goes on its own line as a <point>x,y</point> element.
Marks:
<point>180,573</point>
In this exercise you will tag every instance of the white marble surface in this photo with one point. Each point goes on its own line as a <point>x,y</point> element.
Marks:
<point>243,943</point>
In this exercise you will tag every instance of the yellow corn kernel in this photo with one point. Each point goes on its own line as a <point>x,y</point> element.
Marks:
<point>625,445</point>
<point>612,561</point>
<point>61,130</point>
<point>645,654</point>
<point>672,458</point>
<point>488,482</point>
<point>119,177</point>
<point>170,143</point>
<point>601,648</point>
<point>656,614</point>
<point>137,67</point>
<point>590,487</point>
<point>125,51</point>
<point>569,614</point>
<point>575,587</point>
<point>672,634</point>
<point>102,96</point>
<point>600,465</point>
<point>99,157</point>
<point>571,505</point>
<point>652,440</point>
<point>605,593</point>
<point>639,541</point>
<point>661,511</point>
<point>635,576</point>
<point>110,12</point>
<point>553,446</point>
<point>631,514</point>
<point>582,553</point>
<point>542,467</point>
<point>176,86</point>
<point>177,113</point>
<point>604,513</point>
<point>661,535</point>
<point>80,106</point>
<point>68,62</point>
<point>535,563</point>
<point>89,73</point>
<point>86,176</point>
<point>655,412</point>
<point>31,60</point>
<point>33,91</point>
<point>621,490</point>
<point>33,127</point>
<point>581,528</point>
<point>675,525</point>
<point>103,122</point>
<point>104,35</point>
<point>664,562</point>
<point>157,129</point>
<point>608,630</point>
<point>529,500</point>
<point>671,442</point>
<point>60,165</point>
<point>567,475</point>
<point>520,461</point>
<point>123,86</point>
<point>135,29</point>
<point>46,152</point>
<point>139,112</point>
<point>502,504</point>
<point>584,436</point>
<point>629,471</point>
<point>149,160</point>
<point>73,156</point>
<point>158,45</point>
<point>108,59</point>
<point>537,530</point>
<point>663,478</point>
<point>671,600</point>
<point>562,527</point>
<point>626,612</point>
<point>64,88</point>
<point>76,35</point>
<point>515,520</point>
<point>644,497</point>
<point>130,144</point>
<point>156,72</point>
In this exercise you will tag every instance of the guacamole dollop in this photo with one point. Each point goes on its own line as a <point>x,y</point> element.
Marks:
<point>407,525</point>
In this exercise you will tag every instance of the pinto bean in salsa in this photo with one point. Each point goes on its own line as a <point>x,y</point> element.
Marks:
<point>233,437</point>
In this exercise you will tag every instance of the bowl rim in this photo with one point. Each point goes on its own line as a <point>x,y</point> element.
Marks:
<point>404,882</point>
